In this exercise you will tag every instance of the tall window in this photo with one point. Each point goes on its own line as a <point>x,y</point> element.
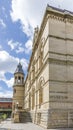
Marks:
<point>15,79</point>
<point>14,91</point>
<point>41,83</point>
<point>33,98</point>
<point>40,55</point>
<point>33,69</point>
<point>19,79</point>
<point>29,101</point>
<point>40,95</point>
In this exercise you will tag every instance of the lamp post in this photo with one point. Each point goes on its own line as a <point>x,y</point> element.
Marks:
<point>17,103</point>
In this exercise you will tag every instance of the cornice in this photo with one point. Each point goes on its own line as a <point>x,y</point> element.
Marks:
<point>18,85</point>
<point>62,18</point>
<point>56,17</point>
<point>60,13</point>
<point>45,18</point>
<point>52,13</point>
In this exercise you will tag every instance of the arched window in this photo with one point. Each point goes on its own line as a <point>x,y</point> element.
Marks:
<point>15,79</point>
<point>41,83</point>
<point>14,90</point>
<point>33,98</point>
<point>19,79</point>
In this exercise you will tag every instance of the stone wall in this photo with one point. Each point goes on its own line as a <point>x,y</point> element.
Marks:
<point>59,118</point>
<point>52,61</point>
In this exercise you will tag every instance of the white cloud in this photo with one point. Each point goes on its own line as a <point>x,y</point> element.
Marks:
<point>16,46</point>
<point>12,44</point>
<point>19,13</point>
<point>24,63</point>
<point>27,12</point>
<point>30,13</point>
<point>9,63</point>
<point>6,94</point>
<point>28,46</point>
<point>19,47</point>
<point>20,50</point>
<point>9,82</point>
<point>2,23</point>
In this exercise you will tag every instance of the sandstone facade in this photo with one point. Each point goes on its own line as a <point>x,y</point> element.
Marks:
<point>48,88</point>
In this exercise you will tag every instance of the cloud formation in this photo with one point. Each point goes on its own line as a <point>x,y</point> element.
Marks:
<point>16,46</point>
<point>6,94</point>
<point>8,63</point>
<point>30,13</point>
<point>12,44</point>
<point>2,23</point>
<point>28,46</point>
<point>19,12</point>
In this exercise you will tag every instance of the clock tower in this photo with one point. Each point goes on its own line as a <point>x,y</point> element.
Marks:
<point>18,89</point>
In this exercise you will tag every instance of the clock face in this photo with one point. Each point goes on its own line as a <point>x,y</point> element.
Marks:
<point>18,81</point>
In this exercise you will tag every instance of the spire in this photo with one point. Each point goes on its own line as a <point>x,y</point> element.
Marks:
<point>19,69</point>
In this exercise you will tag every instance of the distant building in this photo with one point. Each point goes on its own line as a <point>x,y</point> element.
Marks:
<point>47,92</point>
<point>5,103</point>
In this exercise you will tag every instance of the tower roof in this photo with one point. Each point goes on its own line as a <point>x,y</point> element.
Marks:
<point>19,69</point>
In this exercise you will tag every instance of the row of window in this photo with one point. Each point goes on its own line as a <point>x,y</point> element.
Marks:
<point>36,94</point>
<point>35,67</point>
<point>36,64</point>
<point>32,99</point>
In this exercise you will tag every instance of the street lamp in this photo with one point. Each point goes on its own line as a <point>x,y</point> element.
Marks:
<point>17,103</point>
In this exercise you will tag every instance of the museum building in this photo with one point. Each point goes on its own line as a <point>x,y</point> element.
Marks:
<point>46,95</point>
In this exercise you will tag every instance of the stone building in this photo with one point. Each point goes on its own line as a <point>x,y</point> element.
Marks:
<point>18,93</point>
<point>48,87</point>
<point>5,103</point>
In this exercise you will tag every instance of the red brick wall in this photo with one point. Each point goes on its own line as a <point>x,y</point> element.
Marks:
<point>6,105</point>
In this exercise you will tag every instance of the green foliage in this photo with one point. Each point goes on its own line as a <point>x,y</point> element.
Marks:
<point>3,116</point>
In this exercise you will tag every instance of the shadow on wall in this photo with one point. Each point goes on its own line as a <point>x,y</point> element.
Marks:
<point>25,117</point>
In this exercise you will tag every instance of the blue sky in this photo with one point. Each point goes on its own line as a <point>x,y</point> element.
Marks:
<point>18,18</point>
